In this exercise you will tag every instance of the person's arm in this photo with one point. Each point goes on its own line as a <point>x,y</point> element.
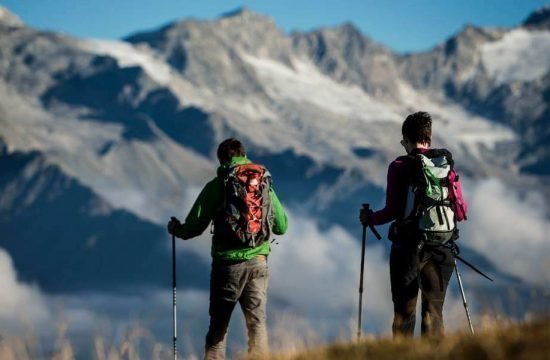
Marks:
<point>280,220</point>
<point>393,201</point>
<point>202,212</point>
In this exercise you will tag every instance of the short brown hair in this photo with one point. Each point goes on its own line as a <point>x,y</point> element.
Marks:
<point>229,148</point>
<point>417,128</point>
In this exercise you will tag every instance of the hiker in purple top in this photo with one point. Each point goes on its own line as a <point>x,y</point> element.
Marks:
<point>418,259</point>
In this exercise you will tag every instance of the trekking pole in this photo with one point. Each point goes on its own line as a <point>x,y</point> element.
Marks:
<point>366,207</point>
<point>462,293</point>
<point>174,293</point>
<point>455,251</point>
<point>361,280</point>
<point>472,267</point>
<point>371,227</point>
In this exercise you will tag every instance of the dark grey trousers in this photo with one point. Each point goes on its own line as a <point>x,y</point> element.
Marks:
<point>433,275</point>
<point>246,283</point>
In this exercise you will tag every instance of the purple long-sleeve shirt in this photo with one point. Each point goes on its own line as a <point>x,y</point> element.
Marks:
<point>396,191</point>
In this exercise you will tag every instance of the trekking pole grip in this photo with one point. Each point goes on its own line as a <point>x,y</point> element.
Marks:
<point>366,207</point>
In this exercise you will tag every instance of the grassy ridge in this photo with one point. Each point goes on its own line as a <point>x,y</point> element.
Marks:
<point>503,341</point>
<point>518,342</point>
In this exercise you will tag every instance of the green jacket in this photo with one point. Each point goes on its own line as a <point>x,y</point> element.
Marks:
<point>210,202</point>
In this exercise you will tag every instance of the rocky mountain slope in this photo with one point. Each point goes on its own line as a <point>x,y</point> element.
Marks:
<point>102,141</point>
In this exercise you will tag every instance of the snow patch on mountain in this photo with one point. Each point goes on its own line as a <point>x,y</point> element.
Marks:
<point>358,119</point>
<point>520,55</point>
<point>128,55</point>
<point>456,128</point>
<point>304,82</point>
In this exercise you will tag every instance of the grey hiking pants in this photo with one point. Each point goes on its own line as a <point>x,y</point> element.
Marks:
<point>246,283</point>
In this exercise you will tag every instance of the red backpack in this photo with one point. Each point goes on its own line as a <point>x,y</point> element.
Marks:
<point>246,216</point>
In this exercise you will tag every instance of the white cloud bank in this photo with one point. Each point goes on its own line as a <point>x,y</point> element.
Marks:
<point>75,321</point>
<point>19,303</point>
<point>317,273</point>
<point>314,277</point>
<point>510,229</point>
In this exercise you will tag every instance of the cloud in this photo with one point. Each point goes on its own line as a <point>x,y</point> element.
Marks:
<point>115,317</point>
<point>314,278</point>
<point>510,228</point>
<point>81,317</point>
<point>20,303</point>
<point>314,275</point>
<point>317,274</point>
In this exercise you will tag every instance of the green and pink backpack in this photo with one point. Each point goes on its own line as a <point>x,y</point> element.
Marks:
<point>435,202</point>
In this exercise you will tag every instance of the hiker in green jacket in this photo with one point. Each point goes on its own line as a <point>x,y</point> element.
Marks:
<point>245,210</point>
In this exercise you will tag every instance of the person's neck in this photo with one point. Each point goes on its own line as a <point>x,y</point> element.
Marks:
<point>419,146</point>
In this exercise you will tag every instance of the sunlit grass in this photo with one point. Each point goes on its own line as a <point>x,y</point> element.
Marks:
<point>138,343</point>
<point>495,340</point>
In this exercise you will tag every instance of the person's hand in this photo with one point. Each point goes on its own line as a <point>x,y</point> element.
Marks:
<point>173,226</point>
<point>365,216</point>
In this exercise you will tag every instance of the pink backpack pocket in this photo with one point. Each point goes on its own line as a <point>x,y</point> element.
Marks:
<point>459,204</point>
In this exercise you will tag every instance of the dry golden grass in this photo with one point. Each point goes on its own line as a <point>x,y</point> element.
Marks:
<point>27,348</point>
<point>494,340</point>
<point>501,341</point>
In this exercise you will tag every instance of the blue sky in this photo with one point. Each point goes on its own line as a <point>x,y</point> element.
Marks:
<point>403,25</point>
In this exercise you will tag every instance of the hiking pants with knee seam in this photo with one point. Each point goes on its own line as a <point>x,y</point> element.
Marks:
<point>244,282</point>
<point>433,275</point>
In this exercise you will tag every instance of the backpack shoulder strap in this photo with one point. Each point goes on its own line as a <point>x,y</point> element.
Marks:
<point>228,170</point>
<point>432,153</point>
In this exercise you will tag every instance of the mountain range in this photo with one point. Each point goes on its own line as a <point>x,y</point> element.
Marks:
<point>102,141</point>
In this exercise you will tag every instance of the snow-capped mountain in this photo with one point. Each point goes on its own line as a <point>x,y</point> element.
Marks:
<point>501,74</point>
<point>102,141</point>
